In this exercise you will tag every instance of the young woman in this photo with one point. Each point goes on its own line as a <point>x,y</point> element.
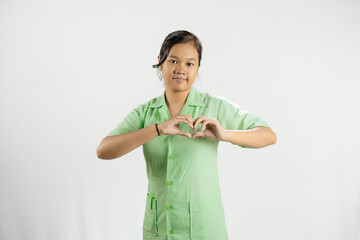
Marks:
<point>180,131</point>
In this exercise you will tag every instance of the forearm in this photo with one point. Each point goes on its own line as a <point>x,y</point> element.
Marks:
<point>257,137</point>
<point>118,145</point>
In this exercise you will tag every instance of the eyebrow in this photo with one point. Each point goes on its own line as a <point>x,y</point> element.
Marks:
<point>178,58</point>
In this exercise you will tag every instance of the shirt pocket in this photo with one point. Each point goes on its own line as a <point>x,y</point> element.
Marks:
<point>206,220</point>
<point>150,224</point>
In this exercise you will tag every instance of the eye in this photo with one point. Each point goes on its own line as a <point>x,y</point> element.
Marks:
<point>172,60</point>
<point>191,63</point>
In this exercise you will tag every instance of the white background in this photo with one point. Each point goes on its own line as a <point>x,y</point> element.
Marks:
<point>72,70</point>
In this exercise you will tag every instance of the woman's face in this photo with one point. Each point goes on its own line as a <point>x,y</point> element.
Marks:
<point>180,67</point>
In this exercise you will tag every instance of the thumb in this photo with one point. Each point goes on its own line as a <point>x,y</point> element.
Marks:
<point>198,134</point>
<point>182,133</point>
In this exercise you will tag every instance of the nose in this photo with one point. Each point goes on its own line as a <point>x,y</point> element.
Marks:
<point>180,69</point>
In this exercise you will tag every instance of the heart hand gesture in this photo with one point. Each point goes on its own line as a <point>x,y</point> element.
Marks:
<point>213,128</point>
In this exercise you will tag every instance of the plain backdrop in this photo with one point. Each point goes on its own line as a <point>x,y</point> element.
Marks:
<point>72,70</point>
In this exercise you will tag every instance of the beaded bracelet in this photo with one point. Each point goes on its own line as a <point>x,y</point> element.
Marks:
<point>157,129</point>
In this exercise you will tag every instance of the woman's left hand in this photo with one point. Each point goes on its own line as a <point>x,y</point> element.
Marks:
<point>213,128</point>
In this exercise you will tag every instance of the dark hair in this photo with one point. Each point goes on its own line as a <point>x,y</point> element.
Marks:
<point>180,36</point>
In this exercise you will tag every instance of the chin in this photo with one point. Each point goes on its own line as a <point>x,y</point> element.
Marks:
<point>179,88</point>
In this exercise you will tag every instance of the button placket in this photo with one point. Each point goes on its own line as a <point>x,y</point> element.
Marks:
<point>170,187</point>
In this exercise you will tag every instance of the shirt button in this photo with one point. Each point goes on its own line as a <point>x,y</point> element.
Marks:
<point>169,183</point>
<point>171,156</point>
<point>171,231</point>
<point>169,207</point>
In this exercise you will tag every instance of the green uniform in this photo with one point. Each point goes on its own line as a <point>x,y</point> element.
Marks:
<point>183,199</point>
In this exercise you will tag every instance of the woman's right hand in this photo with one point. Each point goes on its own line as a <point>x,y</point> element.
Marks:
<point>171,126</point>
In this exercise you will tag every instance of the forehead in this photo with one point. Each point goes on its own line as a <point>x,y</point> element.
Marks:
<point>183,51</point>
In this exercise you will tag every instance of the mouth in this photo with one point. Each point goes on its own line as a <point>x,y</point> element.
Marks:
<point>180,79</point>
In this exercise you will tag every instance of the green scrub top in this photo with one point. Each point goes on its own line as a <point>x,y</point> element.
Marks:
<point>183,200</point>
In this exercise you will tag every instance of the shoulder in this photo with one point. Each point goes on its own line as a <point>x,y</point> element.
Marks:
<point>222,102</point>
<point>209,98</point>
<point>143,107</point>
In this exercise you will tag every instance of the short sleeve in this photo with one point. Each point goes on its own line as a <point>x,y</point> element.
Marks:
<point>130,123</point>
<point>232,117</point>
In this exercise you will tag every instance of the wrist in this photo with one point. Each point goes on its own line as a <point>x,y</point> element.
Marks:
<point>226,136</point>
<point>158,132</point>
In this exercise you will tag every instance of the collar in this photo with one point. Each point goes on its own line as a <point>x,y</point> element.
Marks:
<point>193,99</point>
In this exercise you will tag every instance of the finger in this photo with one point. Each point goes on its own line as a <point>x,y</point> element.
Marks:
<point>204,123</point>
<point>198,120</point>
<point>180,119</point>
<point>186,121</point>
<point>186,117</point>
<point>190,119</point>
<point>198,134</point>
<point>207,122</point>
<point>182,133</point>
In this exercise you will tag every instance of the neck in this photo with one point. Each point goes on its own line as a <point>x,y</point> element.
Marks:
<point>176,98</point>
